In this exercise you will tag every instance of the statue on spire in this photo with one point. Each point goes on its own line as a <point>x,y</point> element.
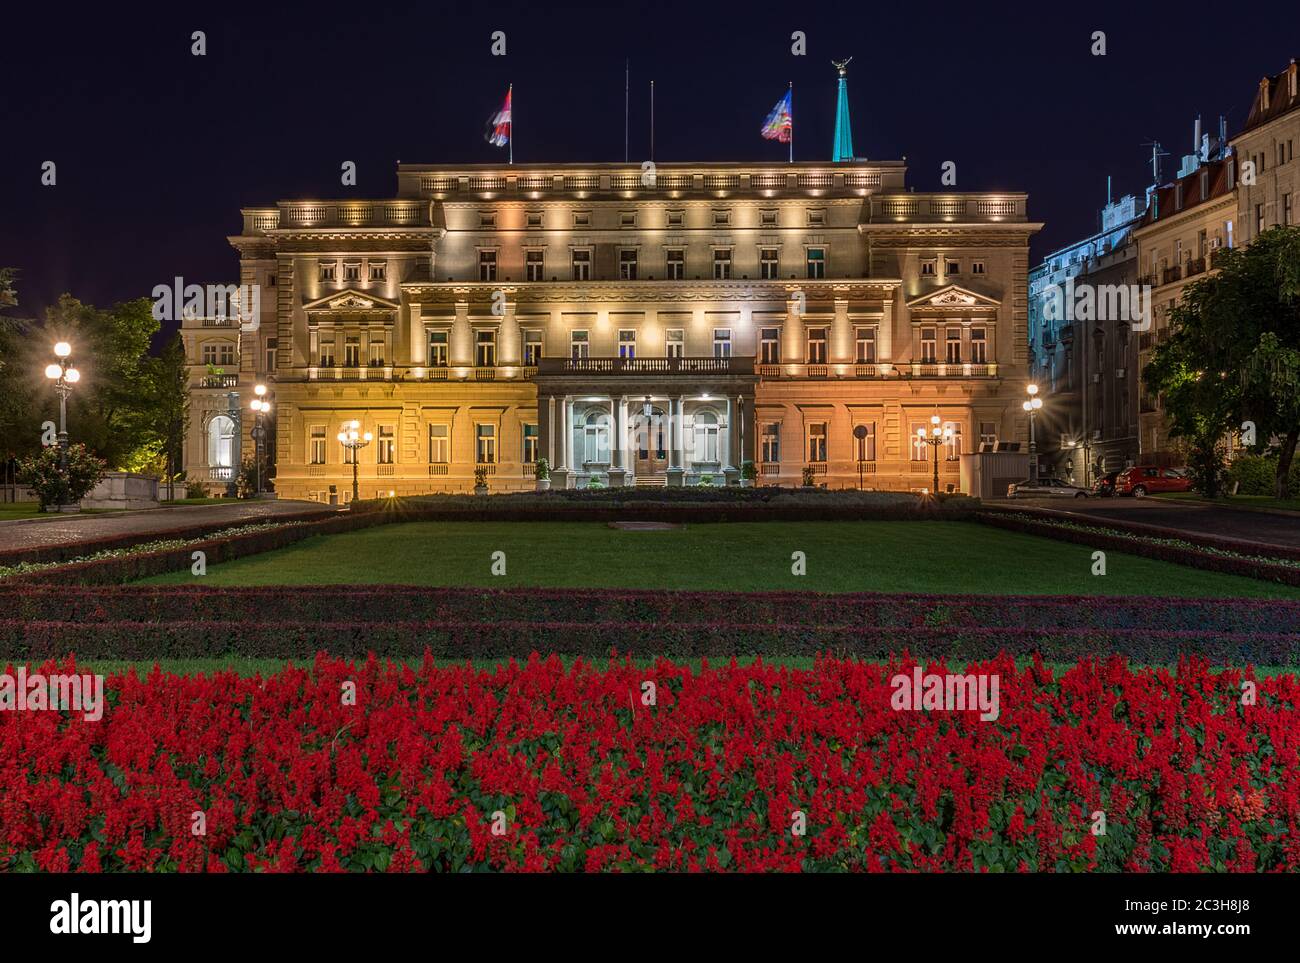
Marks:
<point>843,147</point>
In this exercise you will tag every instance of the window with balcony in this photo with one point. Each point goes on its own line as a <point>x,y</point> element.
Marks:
<point>219,353</point>
<point>952,346</point>
<point>817,442</point>
<point>952,446</point>
<point>769,346</point>
<point>722,264</point>
<point>376,353</point>
<point>386,450</point>
<point>439,444</point>
<point>865,344</point>
<point>579,345</point>
<point>865,448</point>
<point>530,444</point>
<point>627,343</point>
<point>816,262</point>
<point>582,265</point>
<point>485,348</point>
<point>928,346</point>
<point>817,345</point>
<point>770,445</point>
<point>316,446</point>
<point>352,352</point>
<point>532,347</point>
<point>533,265</point>
<point>979,346</point>
<point>722,342</point>
<point>487,265</point>
<point>325,354</point>
<point>627,264</point>
<point>437,349</point>
<point>769,265</point>
<point>676,264</point>
<point>485,448</point>
<point>675,343</point>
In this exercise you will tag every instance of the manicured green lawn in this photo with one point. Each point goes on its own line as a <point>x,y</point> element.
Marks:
<point>941,557</point>
<point>11,510</point>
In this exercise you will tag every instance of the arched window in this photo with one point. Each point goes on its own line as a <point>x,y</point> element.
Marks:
<point>595,437</point>
<point>706,436</point>
<point>221,442</point>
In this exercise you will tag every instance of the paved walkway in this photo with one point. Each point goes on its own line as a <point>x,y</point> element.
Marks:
<point>1201,519</point>
<point>31,533</point>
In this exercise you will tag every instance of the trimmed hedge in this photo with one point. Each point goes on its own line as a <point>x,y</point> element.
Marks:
<point>383,603</point>
<point>1135,543</point>
<point>129,567</point>
<point>134,641</point>
<point>67,551</point>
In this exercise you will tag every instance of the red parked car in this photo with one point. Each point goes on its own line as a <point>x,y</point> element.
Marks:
<point>1142,480</point>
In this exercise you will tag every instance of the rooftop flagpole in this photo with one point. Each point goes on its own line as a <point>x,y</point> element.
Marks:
<point>627,81</point>
<point>652,120</point>
<point>792,122</point>
<point>510,95</point>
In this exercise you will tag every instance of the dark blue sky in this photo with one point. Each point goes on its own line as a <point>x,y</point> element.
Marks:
<point>157,150</point>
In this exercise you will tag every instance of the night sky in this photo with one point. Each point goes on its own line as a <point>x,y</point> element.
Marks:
<point>157,149</point>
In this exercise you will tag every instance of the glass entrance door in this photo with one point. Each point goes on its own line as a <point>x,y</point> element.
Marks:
<point>652,443</point>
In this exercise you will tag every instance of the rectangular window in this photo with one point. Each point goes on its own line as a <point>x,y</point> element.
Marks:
<point>627,218</point>
<point>1287,214</point>
<point>376,353</point>
<point>325,354</point>
<point>316,449</point>
<point>817,442</point>
<point>487,265</point>
<point>816,218</point>
<point>979,346</point>
<point>769,346</point>
<point>386,453</point>
<point>866,346</point>
<point>627,264</point>
<point>953,346</point>
<point>816,262</point>
<point>721,217</point>
<point>675,346</point>
<point>928,346</point>
<point>437,349</point>
<point>1259,218</point>
<point>676,218</point>
<point>485,450</point>
<point>767,218</point>
<point>952,447</point>
<point>722,342</point>
<point>579,346</point>
<point>352,352</point>
<point>816,345</point>
<point>676,265</point>
<point>487,220</point>
<point>769,264</point>
<point>771,443</point>
<point>534,218</point>
<point>533,265</point>
<point>952,267</point>
<point>532,348</point>
<point>928,268</point>
<point>988,435</point>
<point>722,264</point>
<point>378,270</point>
<point>485,348</point>
<point>976,267</point>
<point>439,444</point>
<point>582,265</point>
<point>626,343</point>
<point>582,219</point>
<point>327,269</point>
<point>530,444</point>
<point>866,447</point>
<point>352,271</point>
<point>271,345</point>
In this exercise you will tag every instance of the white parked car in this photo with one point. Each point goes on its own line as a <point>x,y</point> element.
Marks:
<point>1046,488</point>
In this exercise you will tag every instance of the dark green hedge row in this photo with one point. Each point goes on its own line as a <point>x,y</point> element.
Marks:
<point>1134,544</point>
<point>384,603</point>
<point>208,639</point>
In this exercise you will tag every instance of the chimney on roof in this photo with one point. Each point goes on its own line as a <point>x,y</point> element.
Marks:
<point>1291,74</point>
<point>1196,135</point>
<point>1263,94</point>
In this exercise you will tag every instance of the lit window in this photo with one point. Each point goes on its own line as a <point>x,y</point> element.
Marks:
<point>532,348</point>
<point>352,352</point>
<point>928,347</point>
<point>386,453</point>
<point>439,444</point>
<point>376,353</point>
<point>485,347</point>
<point>675,343</point>
<point>579,346</point>
<point>706,437</point>
<point>817,442</point>
<point>485,451</point>
<point>316,453</point>
<point>722,342</point>
<point>530,444</point>
<point>627,343</point>
<point>437,349</point>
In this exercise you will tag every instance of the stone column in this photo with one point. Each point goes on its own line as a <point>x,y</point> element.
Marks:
<point>676,474</point>
<point>796,344</point>
<point>419,343</point>
<point>840,350</point>
<point>885,333</point>
<point>460,352</point>
<point>617,441</point>
<point>509,342</point>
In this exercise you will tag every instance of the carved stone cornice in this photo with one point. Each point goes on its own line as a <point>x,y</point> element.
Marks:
<point>627,292</point>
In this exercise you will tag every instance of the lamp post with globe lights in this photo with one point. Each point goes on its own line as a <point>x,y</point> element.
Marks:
<point>935,437</point>
<point>260,407</point>
<point>354,440</point>
<point>1031,405</point>
<point>64,376</point>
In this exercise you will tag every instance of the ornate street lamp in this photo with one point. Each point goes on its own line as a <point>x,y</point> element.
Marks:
<point>64,377</point>
<point>1031,406</point>
<point>935,437</point>
<point>353,440</point>
<point>260,407</point>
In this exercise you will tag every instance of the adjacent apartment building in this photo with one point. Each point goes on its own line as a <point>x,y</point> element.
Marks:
<point>632,327</point>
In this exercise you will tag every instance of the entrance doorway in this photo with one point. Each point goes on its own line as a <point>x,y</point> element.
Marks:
<point>652,443</point>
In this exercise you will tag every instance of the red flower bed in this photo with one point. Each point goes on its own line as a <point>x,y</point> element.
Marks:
<point>539,767</point>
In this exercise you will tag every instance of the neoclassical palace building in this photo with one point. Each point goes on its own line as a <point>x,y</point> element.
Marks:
<point>632,326</point>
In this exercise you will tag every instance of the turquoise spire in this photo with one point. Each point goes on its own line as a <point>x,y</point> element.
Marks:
<point>843,149</point>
